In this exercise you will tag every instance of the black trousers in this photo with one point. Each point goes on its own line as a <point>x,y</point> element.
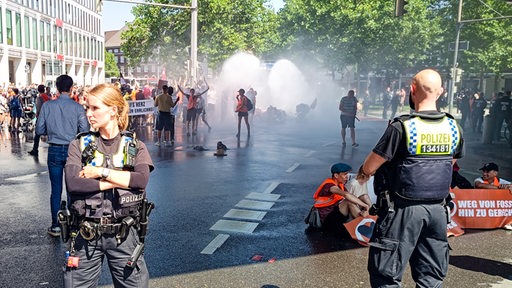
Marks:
<point>414,234</point>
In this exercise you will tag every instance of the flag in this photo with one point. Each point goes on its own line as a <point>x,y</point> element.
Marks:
<point>361,229</point>
<point>121,78</point>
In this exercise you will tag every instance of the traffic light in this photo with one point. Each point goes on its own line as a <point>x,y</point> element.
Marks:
<point>399,8</point>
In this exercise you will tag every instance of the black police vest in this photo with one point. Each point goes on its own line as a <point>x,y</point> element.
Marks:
<point>117,202</point>
<point>425,173</point>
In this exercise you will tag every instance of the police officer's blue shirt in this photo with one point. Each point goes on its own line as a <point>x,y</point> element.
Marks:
<point>61,119</point>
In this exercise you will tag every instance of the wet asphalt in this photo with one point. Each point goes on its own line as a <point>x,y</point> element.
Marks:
<point>193,190</point>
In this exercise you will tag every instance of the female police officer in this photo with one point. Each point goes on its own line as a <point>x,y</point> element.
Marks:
<point>106,175</point>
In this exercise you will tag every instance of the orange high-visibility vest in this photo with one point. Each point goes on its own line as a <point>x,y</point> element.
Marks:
<point>496,182</point>
<point>325,201</point>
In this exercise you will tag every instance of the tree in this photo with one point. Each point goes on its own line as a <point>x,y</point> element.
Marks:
<point>362,33</point>
<point>111,69</point>
<point>224,27</point>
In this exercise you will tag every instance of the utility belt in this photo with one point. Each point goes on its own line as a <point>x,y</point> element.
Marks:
<point>388,201</point>
<point>91,228</point>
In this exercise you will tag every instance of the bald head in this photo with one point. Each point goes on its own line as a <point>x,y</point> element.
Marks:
<point>426,88</point>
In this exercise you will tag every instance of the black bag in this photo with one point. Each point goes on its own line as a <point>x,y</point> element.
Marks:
<point>313,218</point>
<point>249,104</point>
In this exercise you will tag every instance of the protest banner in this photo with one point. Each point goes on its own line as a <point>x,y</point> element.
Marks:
<point>141,107</point>
<point>482,208</point>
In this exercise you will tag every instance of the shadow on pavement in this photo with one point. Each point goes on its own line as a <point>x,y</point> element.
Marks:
<point>477,264</point>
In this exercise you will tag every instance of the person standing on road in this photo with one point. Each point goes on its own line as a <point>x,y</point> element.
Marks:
<point>418,152</point>
<point>348,109</point>
<point>16,110</point>
<point>243,112</point>
<point>107,172</point>
<point>251,94</point>
<point>61,119</point>
<point>192,108</point>
<point>386,102</point>
<point>477,112</point>
<point>501,111</point>
<point>43,97</point>
<point>164,104</point>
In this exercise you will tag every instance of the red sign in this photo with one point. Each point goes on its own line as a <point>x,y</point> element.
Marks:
<point>482,208</point>
<point>60,57</point>
<point>58,22</point>
<point>361,229</point>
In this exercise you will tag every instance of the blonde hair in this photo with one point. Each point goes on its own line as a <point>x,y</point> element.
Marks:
<point>111,96</point>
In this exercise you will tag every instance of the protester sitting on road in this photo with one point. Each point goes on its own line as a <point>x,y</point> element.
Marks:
<point>490,179</point>
<point>334,202</point>
<point>459,181</point>
<point>358,188</point>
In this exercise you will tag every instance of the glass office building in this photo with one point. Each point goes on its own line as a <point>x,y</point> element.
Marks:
<point>41,39</point>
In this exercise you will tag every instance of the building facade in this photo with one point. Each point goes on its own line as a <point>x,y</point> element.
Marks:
<point>41,39</point>
<point>147,71</point>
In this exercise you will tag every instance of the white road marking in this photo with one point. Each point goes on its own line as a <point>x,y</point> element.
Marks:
<point>245,214</point>
<point>263,196</point>
<point>26,177</point>
<point>271,188</point>
<point>234,226</point>
<point>216,243</point>
<point>255,205</point>
<point>309,153</point>
<point>293,167</point>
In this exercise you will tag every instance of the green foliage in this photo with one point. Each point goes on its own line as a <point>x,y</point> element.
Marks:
<point>224,27</point>
<point>111,69</point>
<point>334,34</point>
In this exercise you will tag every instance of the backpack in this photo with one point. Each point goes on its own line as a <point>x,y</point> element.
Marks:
<point>15,103</point>
<point>249,104</point>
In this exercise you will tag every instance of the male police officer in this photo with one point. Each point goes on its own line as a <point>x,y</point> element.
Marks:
<point>418,152</point>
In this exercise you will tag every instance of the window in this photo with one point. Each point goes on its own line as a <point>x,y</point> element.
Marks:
<point>60,39</point>
<point>27,32</point>
<point>8,20</point>
<point>41,35</point>
<point>121,59</point>
<point>48,37</point>
<point>34,34</point>
<point>18,30</point>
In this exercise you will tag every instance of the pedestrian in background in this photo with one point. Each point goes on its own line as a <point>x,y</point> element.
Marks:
<point>386,102</point>
<point>411,227</point>
<point>61,120</point>
<point>42,98</point>
<point>15,110</point>
<point>243,112</point>
<point>348,109</point>
<point>477,112</point>
<point>164,103</point>
<point>106,193</point>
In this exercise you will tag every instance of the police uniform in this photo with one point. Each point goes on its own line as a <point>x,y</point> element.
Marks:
<point>106,223</point>
<point>411,227</point>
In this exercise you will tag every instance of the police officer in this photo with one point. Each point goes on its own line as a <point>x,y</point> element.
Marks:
<point>106,175</point>
<point>500,110</point>
<point>417,152</point>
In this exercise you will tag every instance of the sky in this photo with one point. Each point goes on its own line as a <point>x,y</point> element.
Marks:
<point>115,14</point>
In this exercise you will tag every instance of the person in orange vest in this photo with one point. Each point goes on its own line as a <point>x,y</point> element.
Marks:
<point>334,202</point>
<point>490,179</point>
